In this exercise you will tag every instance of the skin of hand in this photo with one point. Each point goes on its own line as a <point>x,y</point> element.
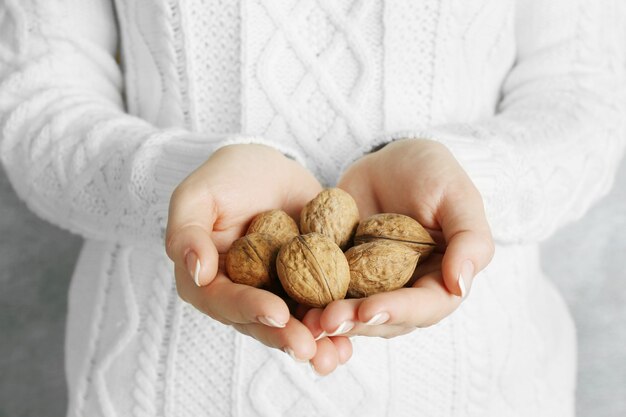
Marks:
<point>422,179</point>
<point>209,210</point>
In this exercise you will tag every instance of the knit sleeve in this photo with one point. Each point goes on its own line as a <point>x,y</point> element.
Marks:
<point>556,140</point>
<point>67,145</point>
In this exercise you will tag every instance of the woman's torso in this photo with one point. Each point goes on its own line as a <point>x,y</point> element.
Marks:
<point>325,77</point>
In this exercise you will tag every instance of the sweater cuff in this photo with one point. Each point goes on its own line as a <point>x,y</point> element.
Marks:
<point>182,152</point>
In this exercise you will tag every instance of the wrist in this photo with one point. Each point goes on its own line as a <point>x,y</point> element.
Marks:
<point>252,151</point>
<point>379,143</point>
<point>261,168</point>
<point>286,151</point>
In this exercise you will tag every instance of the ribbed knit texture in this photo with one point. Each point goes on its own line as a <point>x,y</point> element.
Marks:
<point>528,95</point>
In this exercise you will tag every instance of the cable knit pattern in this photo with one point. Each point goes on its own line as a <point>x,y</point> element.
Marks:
<point>205,360</point>
<point>416,40</point>
<point>214,76</point>
<point>95,170</point>
<point>149,389</point>
<point>527,95</point>
<point>316,85</point>
<point>562,81</point>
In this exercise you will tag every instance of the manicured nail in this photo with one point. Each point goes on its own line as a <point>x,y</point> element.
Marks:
<point>379,318</point>
<point>323,334</point>
<point>268,321</point>
<point>345,327</point>
<point>193,266</point>
<point>465,277</point>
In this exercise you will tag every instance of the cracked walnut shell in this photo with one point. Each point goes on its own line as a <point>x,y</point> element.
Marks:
<point>313,270</point>
<point>397,228</point>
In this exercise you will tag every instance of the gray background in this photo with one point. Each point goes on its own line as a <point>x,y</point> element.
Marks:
<point>586,260</point>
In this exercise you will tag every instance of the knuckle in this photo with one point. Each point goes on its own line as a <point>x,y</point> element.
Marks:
<point>487,245</point>
<point>183,297</point>
<point>206,308</point>
<point>400,332</point>
<point>170,238</point>
<point>179,193</point>
<point>211,292</point>
<point>194,191</point>
<point>428,323</point>
<point>222,320</point>
<point>491,248</point>
<point>180,289</point>
<point>241,329</point>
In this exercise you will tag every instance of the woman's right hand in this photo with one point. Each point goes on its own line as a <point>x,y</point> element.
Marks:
<point>209,210</point>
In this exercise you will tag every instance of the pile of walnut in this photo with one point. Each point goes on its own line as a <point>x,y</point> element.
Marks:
<point>313,268</point>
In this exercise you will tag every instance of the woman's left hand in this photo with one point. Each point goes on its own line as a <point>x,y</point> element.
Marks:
<point>421,179</point>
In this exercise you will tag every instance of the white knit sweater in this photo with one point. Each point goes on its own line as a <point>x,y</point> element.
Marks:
<point>527,94</point>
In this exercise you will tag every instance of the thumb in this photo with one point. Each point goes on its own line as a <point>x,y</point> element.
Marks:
<point>356,182</point>
<point>300,188</point>
<point>188,237</point>
<point>469,245</point>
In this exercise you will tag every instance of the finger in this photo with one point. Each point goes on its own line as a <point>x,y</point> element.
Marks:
<point>326,357</point>
<point>347,311</point>
<point>424,304</point>
<point>440,241</point>
<point>300,310</point>
<point>312,321</point>
<point>188,236</point>
<point>340,317</point>
<point>301,190</point>
<point>344,348</point>
<point>470,246</point>
<point>235,303</point>
<point>431,264</point>
<point>342,344</point>
<point>356,183</point>
<point>294,339</point>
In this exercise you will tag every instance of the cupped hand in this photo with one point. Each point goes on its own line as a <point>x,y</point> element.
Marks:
<point>212,208</point>
<point>422,179</point>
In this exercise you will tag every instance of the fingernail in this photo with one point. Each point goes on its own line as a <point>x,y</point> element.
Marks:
<point>193,266</point>
<point>345,327</point>
<point>465,277</point>
<point>291,354</point>
<point>323,334</point>
<point>268,321</point>
<point>379,318</point>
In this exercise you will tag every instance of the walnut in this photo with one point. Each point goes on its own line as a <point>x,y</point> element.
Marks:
<point>380,266</point>
<point>276,223</point>
<point>251,260</point>
<point>333,213</point>
<point>313,270</point>
<point>397,228</point>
